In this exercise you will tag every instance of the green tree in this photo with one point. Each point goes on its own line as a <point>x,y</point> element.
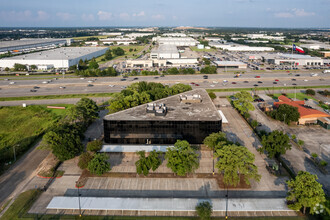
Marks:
<point>254,124</point>
<point>33,67</point>
<point>206,61</point>
<point>204,210</point>
<point>64,140</point>
<point>84,159</point>
<point>118,51</point>
<point>20,67</point>
<point>243,102</point>
<point>144,164</point>
<point>108,55</point>
<point>94,146</point>
<point>216,140</point>
<point>275,143</point>
<point>99,164</point>
<point>212,95</point>
<point>310,91</point>
<point>305,192</point>
<point>89,109</point>
<point>93,64</point>
<point>182,159</point>
<point>82,65</point>
<point>7,69</point>
<point>286,112</point>
<point>235,161</point>
<point>209,70</point>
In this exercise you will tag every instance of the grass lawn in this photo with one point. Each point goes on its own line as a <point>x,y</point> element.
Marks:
<point>129,54</point>
<point>85,37</point>
<point>299,95</point>
<point>60,112</point>
<point>21,205</point>
<point>201,50</point>
<point>83,95</point>
<point>21,127</point>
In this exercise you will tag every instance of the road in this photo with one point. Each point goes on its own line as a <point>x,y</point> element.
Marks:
<point>101,84</point>
<point>15,180</point>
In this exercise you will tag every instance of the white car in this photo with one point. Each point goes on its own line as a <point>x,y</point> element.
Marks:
<point>123,87</point>
<point>212,85</point>
<point>215,82</point>
<point>11,83</point>
<point>82,78</point>
<point>225,81</point>
<point>314,74</point>
<point>305,80</point>
<point>45,82</point>
<point>90,81</point>
<point>111,85</point>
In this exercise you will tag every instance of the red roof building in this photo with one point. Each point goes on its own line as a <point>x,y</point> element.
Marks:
<point>306,114</point>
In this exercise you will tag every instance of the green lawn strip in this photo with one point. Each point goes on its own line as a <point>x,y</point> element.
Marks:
<point>265,88</point>
<point>201,50</point>
<point>298,95</point>
<point>127,53</point>
<point>21,205</point>
<point>5,205</point>
<point>59,111</point>
<point>83,95</point>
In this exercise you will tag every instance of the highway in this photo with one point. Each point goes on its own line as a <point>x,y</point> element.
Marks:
<point>102,84</point>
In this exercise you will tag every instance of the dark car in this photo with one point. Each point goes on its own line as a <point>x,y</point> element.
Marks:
<point>246,82</point>
<point>294,84</point>
<point>135,78</point>
<point>90,85</point>
<point>122,79</point>
<point>33,90</point>
<point>205,77</point>
<point>255,85</point>
<point>274,82</point>
<point>162,75</point>
<point>259,82</point>
<point>36,87</point>
<point>233,83</point>
<point>293,79</point>
<point>297,75</point>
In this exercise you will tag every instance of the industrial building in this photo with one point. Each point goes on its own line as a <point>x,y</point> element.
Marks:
<point>231,64</point>
<point>189,116</point>
<point>293,59</point>
<point>238,47</point>
<point>265,36</point>
<point>174,35</point>
<point>28,45</point>
<point>118,41</point>
<point>179,62</point>
<point>164,52</point>
<point>177,41</point>
<point>56,58</point>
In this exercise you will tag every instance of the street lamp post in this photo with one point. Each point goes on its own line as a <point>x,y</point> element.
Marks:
<point>227,203</point>
<point>14,153</point>
<point>79,201</point>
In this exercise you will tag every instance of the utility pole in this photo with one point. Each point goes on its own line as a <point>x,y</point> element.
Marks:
<point>14,153</point>
<point>79,201</point>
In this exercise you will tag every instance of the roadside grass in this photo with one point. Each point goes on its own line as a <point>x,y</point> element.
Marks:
<point>21,205</point>
<point>265,88</point>
<point>299,95</point>
<point>5,205</point>
<point>60,112</point>
<point>129,54</point>
<point>67,96</point>
<point>202,50</point>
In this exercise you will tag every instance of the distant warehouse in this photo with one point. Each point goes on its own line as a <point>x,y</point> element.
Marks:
<point>57,58</point>
<point>27,45</point>
<point>231,64</point>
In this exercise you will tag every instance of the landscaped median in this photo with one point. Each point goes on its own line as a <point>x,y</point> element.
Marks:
<point>67,96</point>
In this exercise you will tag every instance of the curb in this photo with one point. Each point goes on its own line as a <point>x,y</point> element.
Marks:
<point>44,177</point>
<point>79,186</point>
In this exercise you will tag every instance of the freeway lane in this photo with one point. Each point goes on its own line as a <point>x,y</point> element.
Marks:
<point>101,84</point>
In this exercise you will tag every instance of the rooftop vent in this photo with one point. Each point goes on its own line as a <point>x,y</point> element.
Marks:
<point>158,110</point>
<point>190,98</point>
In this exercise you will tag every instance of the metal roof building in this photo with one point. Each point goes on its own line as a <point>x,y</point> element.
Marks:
<point>56,58</point>
<point>165,51</point>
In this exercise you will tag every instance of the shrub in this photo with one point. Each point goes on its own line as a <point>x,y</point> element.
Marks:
<point>204,210</point>
<point>323,163</point>
<point>314,155</point>
<point>300,142</point>
<point>293,137</point>
<point>7,69</point>
<point>99,164</point>
<point>212,95</point>
<point>310,92</point>
<point>84,159</point>
<point>94,146</point>
<point>254,124</point>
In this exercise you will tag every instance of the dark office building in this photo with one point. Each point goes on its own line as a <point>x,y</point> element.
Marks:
<point>189,116</point>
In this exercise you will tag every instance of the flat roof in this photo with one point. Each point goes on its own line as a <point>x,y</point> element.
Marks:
<point>165,48</point>
<point>176,110</point>
<point>165,204</point>
<point>119,148</point>
<point>25,42</point>
<point>65,53</point>
<point>227,63</point>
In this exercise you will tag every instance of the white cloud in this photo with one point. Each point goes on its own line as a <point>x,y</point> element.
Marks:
<point>65,16</point>
<point>302,12</point>
<point>26,15</point>
<point>42,15</point>
<point>140,14</point>
<point>124,16</point>
<point>103,15</point>
<point>87,17</point>
<point>294,13</point>
<point>158,17</point>
<point>283,15</point>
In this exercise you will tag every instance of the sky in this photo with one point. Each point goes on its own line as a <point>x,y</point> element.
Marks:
<point>209,13</point>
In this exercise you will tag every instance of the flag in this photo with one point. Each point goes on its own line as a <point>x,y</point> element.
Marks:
<point>299,49</point>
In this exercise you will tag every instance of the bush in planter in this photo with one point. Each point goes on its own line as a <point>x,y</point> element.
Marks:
<point>204,210</point>
<point>314,155</point>
<point>323,163</point>
<point>300,142</point>
<point>84,159</point>
<point>94,146</point>
<point>254,124</point>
